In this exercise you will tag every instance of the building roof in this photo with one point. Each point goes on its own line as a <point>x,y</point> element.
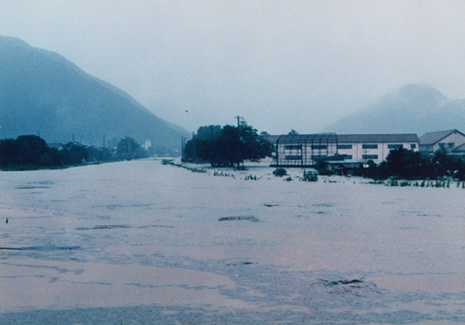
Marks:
<point>271,138</point>
<point>378,138</point>
<point>347,138</point>
<point>308,138</point>
<point>435,137</point>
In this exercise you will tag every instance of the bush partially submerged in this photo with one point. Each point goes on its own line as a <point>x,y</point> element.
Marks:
<point>167,162</point>
<point>279,172</point>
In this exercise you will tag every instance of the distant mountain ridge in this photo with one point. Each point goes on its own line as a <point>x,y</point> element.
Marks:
<point>417,108</point>
<point>42,92</point>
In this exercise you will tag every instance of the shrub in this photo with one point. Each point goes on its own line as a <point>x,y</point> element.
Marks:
<point>167,162</point>
<point>279,172</point>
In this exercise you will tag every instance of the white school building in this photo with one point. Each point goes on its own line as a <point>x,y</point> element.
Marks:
<point>303,150</point>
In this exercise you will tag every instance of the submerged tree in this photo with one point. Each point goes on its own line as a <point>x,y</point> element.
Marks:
<point>128,149</point>
<point>447,165</point>
<point>232,146</point>
<point>407,164</point>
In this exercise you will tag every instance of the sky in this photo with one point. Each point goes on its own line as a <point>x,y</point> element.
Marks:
<point>280,65</point>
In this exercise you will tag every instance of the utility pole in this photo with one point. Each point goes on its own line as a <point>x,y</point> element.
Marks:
<point>238,121</point>
<point>238,140</point>
<point>194,147</point>
<point>182,147</point>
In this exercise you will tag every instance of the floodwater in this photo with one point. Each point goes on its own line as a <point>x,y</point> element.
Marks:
<point>141,242</point>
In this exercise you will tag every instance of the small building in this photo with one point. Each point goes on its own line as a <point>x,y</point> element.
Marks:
<point>448,140</point>
<point>307,149</point>
<point>340,165</point>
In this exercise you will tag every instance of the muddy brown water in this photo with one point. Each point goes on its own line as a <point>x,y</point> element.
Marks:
<point>139,242</point>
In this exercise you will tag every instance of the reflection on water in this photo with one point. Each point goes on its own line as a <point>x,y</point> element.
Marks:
<point>172,244</point>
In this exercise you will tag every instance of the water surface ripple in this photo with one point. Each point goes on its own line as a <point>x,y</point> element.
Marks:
<point>140,242</point>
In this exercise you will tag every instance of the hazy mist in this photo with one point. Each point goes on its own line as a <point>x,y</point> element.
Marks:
<point>280,64</point>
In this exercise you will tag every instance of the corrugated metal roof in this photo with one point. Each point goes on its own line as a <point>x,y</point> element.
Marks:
<point>347,138</point>
<point>308,138</point>
<point>271,138</point>
<point>433,137</point>
<point>378,138</point>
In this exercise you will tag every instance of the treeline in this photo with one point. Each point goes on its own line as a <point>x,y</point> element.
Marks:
<point>411,165</point>
<point>32,152</point>
<point>226,146</point>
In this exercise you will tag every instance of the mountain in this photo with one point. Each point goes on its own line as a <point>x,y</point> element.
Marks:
<point>42,92</point>
<point>416,108</point>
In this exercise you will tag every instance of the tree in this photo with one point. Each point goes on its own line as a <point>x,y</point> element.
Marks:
<point>229,147</point>
<point>98,154</point>
<point>253,147</point>
<point>74,154</point>
<point>27,152</point>
<point>209,132</point>
<point>129,149</point>
<point>30,149</point>
<point>447,165</point>
<point>407,164</point>
<point>293,132</point>
<point>9,153</point>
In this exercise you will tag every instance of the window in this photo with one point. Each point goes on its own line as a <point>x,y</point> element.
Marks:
<point>314,157</point>
<point>293,157</point>
<point>451,145</point>
<point>368,157</point>
<point>394,146</point>
<point>319,147</point>
<point>347,156</point>
<point>344,146</point>
<point>413,146</point>
<point>293,147</point>
<point>370,146</point>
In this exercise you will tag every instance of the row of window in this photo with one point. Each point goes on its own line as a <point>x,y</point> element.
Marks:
<point>346,146</point>
<point>450,145</point>
<point>293,157</point>
<point>299,147</point>
<point>293,147</point>
<point>299,157</point>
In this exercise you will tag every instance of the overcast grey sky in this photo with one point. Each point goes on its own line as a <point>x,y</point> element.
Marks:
<point>281,65</point>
